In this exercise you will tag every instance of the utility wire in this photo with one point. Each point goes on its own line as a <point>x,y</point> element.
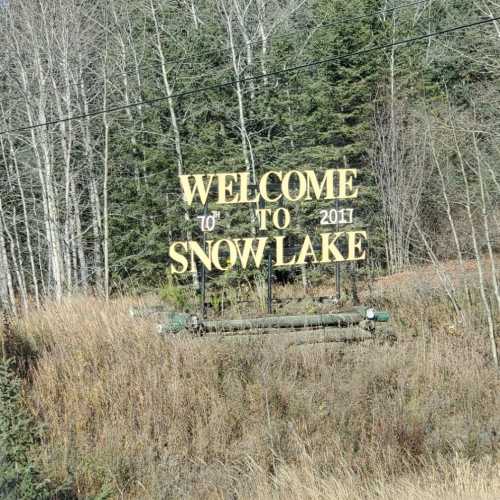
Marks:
<point>261,76</point>
<point>287,34</point>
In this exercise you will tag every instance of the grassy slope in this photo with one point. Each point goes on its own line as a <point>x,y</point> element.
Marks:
<point>146,418</point>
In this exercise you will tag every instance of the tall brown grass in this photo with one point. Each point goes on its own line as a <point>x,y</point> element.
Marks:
<point>139,416</point>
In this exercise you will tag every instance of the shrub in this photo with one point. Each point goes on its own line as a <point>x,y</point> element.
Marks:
<point>19,478</point>
<point>175,296</point>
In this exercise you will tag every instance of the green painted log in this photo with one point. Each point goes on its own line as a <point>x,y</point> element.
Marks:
<point>302,321</point>
<point>176,323</point>
<point>381,316</point>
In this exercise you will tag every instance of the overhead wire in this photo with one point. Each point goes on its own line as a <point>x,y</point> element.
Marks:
<point>269,147</point>
<point>289,33</point>
<point>261,76</point>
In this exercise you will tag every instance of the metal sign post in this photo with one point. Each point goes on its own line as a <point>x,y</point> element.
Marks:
<point>269,283</point>
<point>337,264</point>
<point>203,270</point>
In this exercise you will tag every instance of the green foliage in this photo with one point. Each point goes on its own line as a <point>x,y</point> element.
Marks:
<point>309,120</point>
<point>19,477</point>
<point>314,118</point>
<point>178,297</point>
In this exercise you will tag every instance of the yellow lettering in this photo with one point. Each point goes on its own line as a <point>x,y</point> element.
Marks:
<point>354,244</point>
<point>327,182</point>
<point>285,187</point>
<point>346,176</point>
<point>199,186</point>
<point>307,251</point>
<point>329,247</point>
<point>286,218</point>
<point>280,258</point>
<point>200,253</point>
<point>263,186</point>
<point>262,214</point>
<point>179,258</point>
<point>245,181</point>
<point>233,255</point>
<point>225,188</point>
<point>248,249</point>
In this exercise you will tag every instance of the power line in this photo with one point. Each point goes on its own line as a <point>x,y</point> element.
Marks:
<point>257,42</point>
<point>262,76</point>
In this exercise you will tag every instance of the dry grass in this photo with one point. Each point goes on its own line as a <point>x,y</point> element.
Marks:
<point>144,417</point>
<point>453,480</point>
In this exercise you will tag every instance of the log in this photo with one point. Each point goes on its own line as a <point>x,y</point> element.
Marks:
<point>302,321</point>
<point>176,323</point>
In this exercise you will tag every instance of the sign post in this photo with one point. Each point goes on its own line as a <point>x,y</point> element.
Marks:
<point>269,283</point>
<point>337,264</point>
<point>203,269</point>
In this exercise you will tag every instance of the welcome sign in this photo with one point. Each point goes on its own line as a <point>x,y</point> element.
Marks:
<point>294,186</point>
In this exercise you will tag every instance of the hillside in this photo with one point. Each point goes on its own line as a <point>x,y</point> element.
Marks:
<point>140,416</point>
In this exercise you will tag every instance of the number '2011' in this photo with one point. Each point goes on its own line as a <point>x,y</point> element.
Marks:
<point>334,216</point>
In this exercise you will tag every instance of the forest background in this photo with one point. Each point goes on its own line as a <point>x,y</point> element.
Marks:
<point>93,203</point>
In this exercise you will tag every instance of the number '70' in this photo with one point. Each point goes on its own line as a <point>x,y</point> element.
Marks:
<point>207,222</point>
